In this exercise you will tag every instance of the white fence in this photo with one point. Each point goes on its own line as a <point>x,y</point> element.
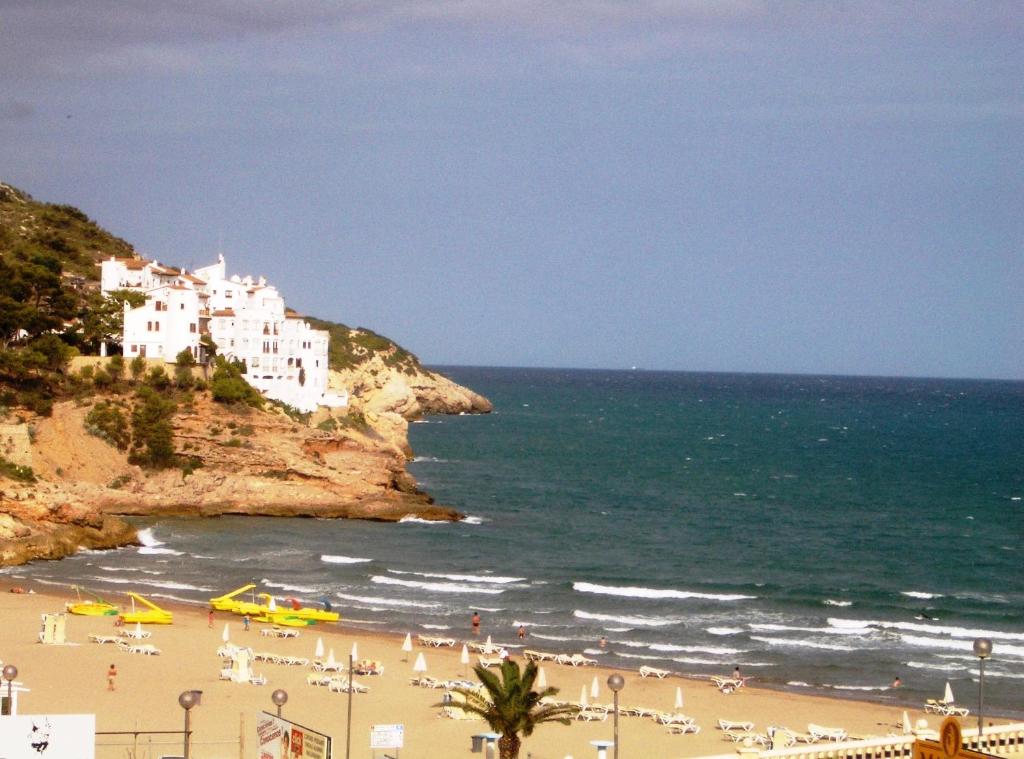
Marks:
<point>1001,740</point>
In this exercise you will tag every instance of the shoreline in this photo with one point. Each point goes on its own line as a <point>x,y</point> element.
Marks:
<point>70,678</point>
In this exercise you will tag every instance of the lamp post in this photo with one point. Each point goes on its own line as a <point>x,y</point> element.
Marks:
<point>187,699</point>
<point>280,698</point>
<point>615,684</point>
<point>348,727</point>
<point>982,649</point>
<point>10,672</point>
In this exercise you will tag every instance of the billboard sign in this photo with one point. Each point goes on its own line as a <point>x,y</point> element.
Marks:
<point>278,738</point>
<point>387,736</point>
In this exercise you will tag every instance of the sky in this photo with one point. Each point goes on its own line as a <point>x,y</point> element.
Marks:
<point>740,185</point>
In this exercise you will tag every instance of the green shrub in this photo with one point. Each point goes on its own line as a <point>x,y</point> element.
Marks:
<point>157,378</point>
<point>119,482</point>
<point>152,434</point>
<point>246,430</point>
<point>115,368</point>
<point>107,422</point>
<point>228,385</point>
<point>137,367</point>
<point>328,425</point>
<point>233,442</point>
<point>15,471</point>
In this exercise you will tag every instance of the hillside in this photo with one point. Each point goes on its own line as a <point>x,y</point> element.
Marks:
<point>83,440</point>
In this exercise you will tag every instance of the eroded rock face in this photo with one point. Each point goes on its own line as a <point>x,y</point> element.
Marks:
<point>346,465</point>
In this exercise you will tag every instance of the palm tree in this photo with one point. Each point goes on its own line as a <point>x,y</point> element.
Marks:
<point>511,706</point>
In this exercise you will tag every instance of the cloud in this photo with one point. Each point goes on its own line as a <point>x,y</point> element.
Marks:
<point>16,110</point>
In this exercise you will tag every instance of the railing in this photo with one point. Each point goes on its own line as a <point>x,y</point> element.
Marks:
<point>1000,740</point>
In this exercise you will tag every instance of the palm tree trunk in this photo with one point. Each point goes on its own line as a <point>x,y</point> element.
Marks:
<point>508,746</point>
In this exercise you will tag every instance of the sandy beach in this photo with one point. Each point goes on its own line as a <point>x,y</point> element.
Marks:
<point>71,678</point>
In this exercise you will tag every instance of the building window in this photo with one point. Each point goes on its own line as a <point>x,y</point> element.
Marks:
<point>156,326</point>
<point>134,350</point>
<point>192,327</point>
<point>181,306</point>
<point>160,306</point>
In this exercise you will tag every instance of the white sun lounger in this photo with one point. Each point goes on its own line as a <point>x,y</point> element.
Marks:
<point>661,674</point>
<point>818,732</point>
<point>728,724</point>
<point>683,729</point>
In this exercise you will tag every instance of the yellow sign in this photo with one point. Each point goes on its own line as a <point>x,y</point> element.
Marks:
<point>949,746</point>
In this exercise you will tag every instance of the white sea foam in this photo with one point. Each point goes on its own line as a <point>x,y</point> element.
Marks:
<point>767,627</point>
<point>799,684</point>
<point>290,588</point>
<point>951,631</point>
<point>919,594</point>
<point>436,587</point>
<point>470,519</point>
<point>958,645</point>
<point>801,643</point>
<point>670,648</point>
<point>655,593</point>
<point>154,550</point>
<point>429,459</point>
<point>560,638</point>
<point>938,667</point>
<point>617,629</point>
<point>493,579</point>
<point>147,538</point>
<point>349,621</point>
<point>694,660</point>
<point>594,651</point>
<point>435,627</point>
<point>530,625</point>
<point>856,687</point>
<point>484,608</point>
<point>131,569</point>
<point>166,584</point>
<point>834,602</point>
<point>387,601</point>
<point>645,657</point>
<point>334,559</point>
<point>725,630</point>
<point>412,519</point>
<point>635,621</point>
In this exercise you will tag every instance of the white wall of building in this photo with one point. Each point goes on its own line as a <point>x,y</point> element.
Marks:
<point>285,358</point>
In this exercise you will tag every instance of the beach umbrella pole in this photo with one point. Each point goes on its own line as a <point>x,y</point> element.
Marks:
<point>348,728</point>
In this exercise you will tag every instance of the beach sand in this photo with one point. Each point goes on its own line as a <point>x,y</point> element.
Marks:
<point>69,679</point>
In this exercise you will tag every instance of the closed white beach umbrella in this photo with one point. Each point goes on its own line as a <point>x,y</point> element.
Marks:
<point>407,643</point>
<point>907,727</point>
<point>421,663</point>
<point>594,688</point>
<point>319,652</point>
<point>355,650</point>
<point>272,604</point>
<point>679,698</point>
<point>331,661</point>
<point>949,693</point>
<point>583,696</point>
<point>138,629</point>
<point>489,644</point>
<point>464,657</point>
<point>224,636</point>
<point>542,679</point>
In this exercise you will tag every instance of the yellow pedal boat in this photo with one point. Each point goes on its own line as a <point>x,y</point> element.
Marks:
<point>153,615</point>
<point>95,607</point>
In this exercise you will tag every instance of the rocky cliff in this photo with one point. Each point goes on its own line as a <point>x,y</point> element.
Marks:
<point>246,461</point>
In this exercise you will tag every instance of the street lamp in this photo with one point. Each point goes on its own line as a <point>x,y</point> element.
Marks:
<point>10,672</point>
<point>983,650</point>
<point>188,699</point>
<point>280,698</point>
<point>615,684</point>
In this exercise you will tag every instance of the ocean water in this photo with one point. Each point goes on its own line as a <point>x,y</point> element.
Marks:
<point>824,534</point>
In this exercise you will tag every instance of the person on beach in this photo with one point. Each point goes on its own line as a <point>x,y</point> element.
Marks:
<point>522,633</point>
<point>603,643</point>
<point>245,622</point>
<point>111,677</point>
<point>736,674</point>
<point>209,619</point>
<point>897,682</point>
<point>476,623</point>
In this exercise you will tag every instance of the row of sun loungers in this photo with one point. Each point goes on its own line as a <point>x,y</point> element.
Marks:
<point>575,660</point>
<point>434,641</point>
<point>295,661</point>
<point>661,674</point>
<point>336,684</point>
<point>945,708</point>
<point>425,681</point>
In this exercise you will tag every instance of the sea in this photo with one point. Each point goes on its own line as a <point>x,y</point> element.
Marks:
<point>823,534</point>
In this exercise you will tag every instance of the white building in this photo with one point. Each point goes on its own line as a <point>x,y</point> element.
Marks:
<point>284,357</point>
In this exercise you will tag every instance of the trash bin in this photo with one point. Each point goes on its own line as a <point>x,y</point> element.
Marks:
<point>478,744</point>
